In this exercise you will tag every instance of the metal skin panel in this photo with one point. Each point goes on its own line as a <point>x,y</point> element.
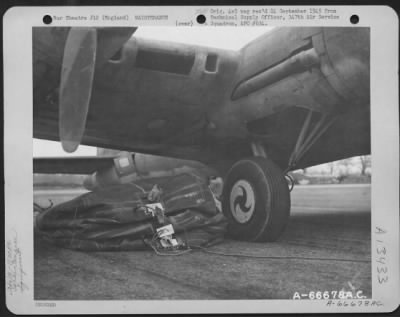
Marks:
<point>192,116</point>
<point>272,48</point>
<point>349,58</point>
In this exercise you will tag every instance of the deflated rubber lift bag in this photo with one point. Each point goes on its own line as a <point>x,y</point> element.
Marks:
<point>126,217</point>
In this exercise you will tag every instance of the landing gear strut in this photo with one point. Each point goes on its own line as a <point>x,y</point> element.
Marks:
<point>256,200</point>
<point>256,197</point>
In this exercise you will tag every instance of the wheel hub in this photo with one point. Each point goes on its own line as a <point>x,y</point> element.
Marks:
<point>242,201</point>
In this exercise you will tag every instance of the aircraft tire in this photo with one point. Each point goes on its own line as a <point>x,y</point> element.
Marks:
<point>256,200</point>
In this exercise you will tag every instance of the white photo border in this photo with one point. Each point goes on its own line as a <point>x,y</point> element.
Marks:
<point>17,49</point>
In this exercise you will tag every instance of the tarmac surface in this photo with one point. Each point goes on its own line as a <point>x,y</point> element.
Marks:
<point>326,247</point>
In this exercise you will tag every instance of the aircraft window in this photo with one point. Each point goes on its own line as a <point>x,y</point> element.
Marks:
<point>165,61</point>
<point>211,63</point>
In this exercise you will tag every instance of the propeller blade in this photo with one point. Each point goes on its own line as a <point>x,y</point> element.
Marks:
<point>76,85</point>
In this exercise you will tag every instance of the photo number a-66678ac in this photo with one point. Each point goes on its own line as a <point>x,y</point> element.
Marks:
<point>329,295</point>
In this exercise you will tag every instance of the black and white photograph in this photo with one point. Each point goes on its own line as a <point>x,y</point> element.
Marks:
<point>202,163</point>
<point>219,147</point>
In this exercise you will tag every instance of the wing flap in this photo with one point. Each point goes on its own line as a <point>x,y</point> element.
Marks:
<point>71,165</point>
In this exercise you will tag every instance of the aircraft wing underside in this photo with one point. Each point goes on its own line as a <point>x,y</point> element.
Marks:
<point>144,97</point>
<point>106,88</point>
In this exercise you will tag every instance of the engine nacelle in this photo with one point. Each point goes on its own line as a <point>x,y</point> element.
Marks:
<point>129,167</point>
<point>321,69</point>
